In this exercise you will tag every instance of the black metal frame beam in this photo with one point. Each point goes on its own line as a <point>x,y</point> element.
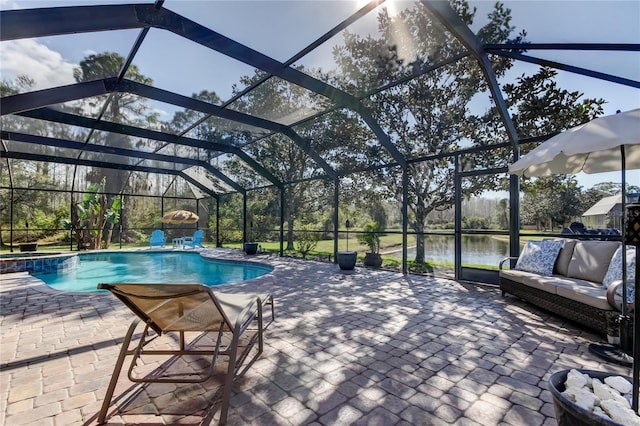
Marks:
<point>199,185</point>
<point>128,153</point>
<point>27,23</point>
<point>563,46</point>
<point>228,114</point>
<point>67,20</point>
<point>56,116</point>
<point>443,11</point>
<point>14,104</point>
<point>25,102</point>
<point>128,194</point>
<point>568,68</point>
<point>319,41</point>
<point>106,165</point>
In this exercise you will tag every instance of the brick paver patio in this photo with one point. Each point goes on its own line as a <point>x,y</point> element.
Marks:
<point>365,348</point>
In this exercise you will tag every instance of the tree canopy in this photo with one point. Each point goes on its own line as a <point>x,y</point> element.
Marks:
<point>427,118</point>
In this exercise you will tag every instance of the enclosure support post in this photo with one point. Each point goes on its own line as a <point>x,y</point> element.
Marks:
<point>218,223</point>
<point>11,224</point>
<point>162,209</point>
<point>121,220</point>
<point>73,207</point>
<point>336,192</point>
<point>514,217</point>
<point>623,229</point>
<point>282,221</point>
<point>197,214</point>
<point>72,213</point>
<point>405,220</point>
<point>10,207</point>
<point>244,218</point>
<point>457,221</point>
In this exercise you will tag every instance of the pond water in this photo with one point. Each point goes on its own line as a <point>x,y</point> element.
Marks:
<point>476,249</point>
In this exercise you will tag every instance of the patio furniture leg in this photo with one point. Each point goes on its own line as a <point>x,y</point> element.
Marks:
<point>260,327</point>
<point>268,301</point>
<point>233,352</point>
<point>231,371</point>
<point>116,372</point>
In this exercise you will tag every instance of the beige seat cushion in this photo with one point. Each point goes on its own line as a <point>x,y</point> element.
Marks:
<point>544,283</point>
<point>551,284</point>
<point>564,257</point>
<point>582,291</point>
<point>590,260</point>
<point>515,275</point>
<point>588,295</point>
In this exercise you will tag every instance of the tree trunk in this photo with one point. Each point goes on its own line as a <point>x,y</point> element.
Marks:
<point>77,227</point>
<point>290,222</point>
<point>107,240</point>
<point>420,213</point>
<point>419,241</point>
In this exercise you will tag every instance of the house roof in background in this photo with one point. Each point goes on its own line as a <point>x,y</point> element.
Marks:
<point>604,206</point>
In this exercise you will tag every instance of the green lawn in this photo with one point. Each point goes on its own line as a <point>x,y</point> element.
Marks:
<point>326,246</point>
<point>324,249</point>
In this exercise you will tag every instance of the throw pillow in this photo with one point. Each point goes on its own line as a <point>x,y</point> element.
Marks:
<point>614,273</point>
<point>564,257</point>
<point>631,292</point>
<point>539,256</point>
<point>590,260</point>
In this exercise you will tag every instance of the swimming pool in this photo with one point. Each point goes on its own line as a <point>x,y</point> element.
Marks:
<point>169,267</point>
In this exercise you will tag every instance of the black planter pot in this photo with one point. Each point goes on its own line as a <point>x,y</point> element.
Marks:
<point>568,413</point>
<point>372,259</point>
<point>251,248</point>
<point>347,260</point>
<point>28,246</point>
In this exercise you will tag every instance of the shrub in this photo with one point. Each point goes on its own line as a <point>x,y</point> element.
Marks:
<point>370,236</point>
<point>306,240</point>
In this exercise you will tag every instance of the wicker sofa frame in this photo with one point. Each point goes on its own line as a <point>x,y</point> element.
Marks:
<point>603,321</point>
<point>572,290</point>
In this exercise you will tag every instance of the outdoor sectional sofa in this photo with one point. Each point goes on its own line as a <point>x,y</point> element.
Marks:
<point>572,284</point>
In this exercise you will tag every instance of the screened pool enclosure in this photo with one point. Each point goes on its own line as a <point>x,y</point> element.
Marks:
<point>279,122</point>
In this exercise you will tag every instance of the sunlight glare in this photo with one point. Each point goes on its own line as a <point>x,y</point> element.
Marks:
<point>392,8</point>
<point>401,35</point>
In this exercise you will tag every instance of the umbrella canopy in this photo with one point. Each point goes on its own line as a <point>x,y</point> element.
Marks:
<point>593,147</point>
<point>603,144</point>
<point>180,216</point>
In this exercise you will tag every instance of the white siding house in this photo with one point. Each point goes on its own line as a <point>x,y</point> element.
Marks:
<point>607,213</point>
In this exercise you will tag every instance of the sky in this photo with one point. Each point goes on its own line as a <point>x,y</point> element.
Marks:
<point>282,28</point>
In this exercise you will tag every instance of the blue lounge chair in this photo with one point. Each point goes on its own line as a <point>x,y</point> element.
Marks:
<point>195,241</point>
<point>157,238</point>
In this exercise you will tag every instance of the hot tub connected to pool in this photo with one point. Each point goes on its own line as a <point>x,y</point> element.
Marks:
<point>37,262</point>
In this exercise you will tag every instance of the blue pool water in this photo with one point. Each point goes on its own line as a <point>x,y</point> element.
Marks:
<point>185,268</point>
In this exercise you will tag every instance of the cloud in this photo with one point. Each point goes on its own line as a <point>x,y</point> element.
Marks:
<point>28,57</point>
<point>8,4</point>
<point>160,112</point>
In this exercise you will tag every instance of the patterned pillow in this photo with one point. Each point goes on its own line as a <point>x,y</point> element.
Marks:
<point>614,273</point>
<point>631,292</point>
<point>539,256</point>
